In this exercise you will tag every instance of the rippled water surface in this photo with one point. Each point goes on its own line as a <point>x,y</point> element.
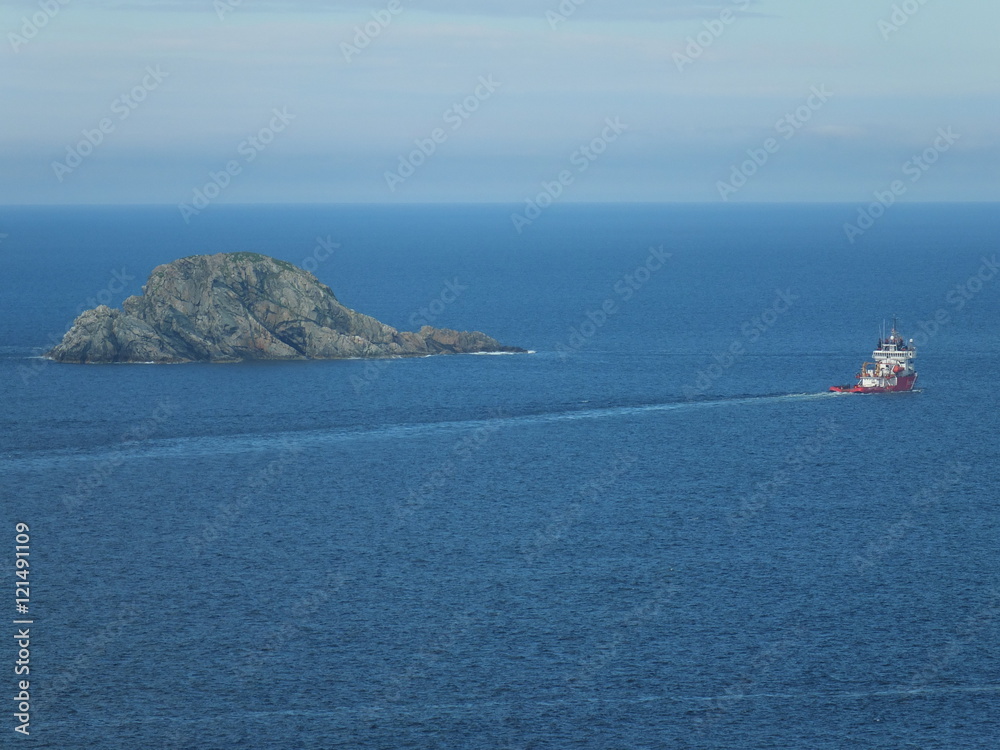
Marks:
<point>659,530</point>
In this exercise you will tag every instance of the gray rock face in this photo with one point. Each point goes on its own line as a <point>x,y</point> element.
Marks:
<point>236,306</point>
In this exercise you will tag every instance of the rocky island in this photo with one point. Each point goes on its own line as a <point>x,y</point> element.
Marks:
<point>240,306</point>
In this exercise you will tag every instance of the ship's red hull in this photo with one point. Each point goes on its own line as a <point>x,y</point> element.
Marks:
<point>902,384</point>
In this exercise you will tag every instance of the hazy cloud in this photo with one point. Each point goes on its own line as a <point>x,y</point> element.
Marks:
<point>355,119</point>
<point>604,10</point>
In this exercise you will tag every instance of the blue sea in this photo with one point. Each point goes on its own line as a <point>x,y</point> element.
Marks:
<point>657,530</point>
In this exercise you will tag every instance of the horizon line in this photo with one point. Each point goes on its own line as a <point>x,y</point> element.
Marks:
<point>721,204</point>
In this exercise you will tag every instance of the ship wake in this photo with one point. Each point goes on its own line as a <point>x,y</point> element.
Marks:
<point>293,440</point>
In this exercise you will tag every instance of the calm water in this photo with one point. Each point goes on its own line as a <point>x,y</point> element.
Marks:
<point>632,538</point>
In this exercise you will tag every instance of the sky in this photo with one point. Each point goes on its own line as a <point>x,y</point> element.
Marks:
<point>414,101</point>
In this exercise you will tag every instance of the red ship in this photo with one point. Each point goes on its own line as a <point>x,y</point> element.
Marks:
<point>891,371</point>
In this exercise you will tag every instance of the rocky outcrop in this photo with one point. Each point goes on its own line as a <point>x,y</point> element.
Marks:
<point>237,306</point>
